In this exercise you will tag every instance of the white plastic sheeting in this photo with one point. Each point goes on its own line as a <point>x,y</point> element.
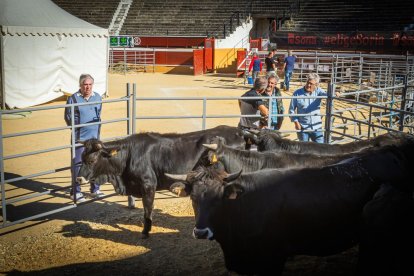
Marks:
<point>45,49</point>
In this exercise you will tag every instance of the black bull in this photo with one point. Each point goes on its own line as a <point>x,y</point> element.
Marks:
<point>271,141</point>
<point>234,160</point>
<point>136,165</point>
<point>261,218</point>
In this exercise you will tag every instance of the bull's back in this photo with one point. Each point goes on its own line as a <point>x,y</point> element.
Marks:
<point>272,142</point>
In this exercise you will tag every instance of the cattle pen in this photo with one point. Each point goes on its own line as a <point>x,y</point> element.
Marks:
<point>376,92</point>
<point>35,161</point>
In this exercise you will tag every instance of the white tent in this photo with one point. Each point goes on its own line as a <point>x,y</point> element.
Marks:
<point>44,49</point>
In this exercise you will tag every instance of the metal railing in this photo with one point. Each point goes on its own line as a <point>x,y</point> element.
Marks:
<point>385,109</point>
<point>73,144</point>
<point>123,60</point>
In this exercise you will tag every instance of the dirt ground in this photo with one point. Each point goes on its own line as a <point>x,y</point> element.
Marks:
<point>103,237</point>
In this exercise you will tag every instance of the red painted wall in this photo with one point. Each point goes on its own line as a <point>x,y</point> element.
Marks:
<point>198,62</point>
<point>161,57</point>
<point>174,58</point>
<point>241,55</point>
<point>208,54</point>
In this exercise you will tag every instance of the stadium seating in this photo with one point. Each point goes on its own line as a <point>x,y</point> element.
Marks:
<point>175,18</point>
<point>212,17</point>
<point>351,16</point>
<point>97,12</point>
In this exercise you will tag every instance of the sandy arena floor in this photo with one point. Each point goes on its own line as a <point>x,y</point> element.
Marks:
<point>103,237</point>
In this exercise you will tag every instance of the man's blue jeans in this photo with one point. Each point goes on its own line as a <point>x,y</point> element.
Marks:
<point>315,136</point>
<point>77,163</point>
<point>255,75</point>
<point>288,76</point>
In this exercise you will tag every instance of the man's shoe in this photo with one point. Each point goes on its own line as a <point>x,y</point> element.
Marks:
<point>97,194</point>
<point>79,197</point>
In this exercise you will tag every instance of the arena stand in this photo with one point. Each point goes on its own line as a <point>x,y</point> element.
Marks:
<point>97,12</point>
<point>348,16</point>
<point>185,24</point>
<point>212,25</point>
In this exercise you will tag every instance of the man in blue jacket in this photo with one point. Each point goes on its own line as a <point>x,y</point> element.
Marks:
<point>288,67</point>
<point>310,126</point>
<point>84,114</point>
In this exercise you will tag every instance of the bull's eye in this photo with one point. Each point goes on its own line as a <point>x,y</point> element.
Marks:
<point>90,162</point>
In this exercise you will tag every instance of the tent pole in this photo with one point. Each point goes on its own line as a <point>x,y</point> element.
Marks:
<point>2,79</point>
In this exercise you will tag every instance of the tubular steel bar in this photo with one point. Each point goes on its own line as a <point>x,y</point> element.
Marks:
<point>362,74</point>
<point>4,158</point>
<point>2,182</point>
<point>328,118</point>
<point>128,110</point>
<point>134,108</point>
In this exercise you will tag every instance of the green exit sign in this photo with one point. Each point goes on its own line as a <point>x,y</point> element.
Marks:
<point>121,41</point>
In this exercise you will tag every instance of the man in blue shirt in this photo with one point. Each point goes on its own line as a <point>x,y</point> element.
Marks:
<point>288,67</point>
<point>309,126</point>
<point>256,66</point>
<point>84,114</point>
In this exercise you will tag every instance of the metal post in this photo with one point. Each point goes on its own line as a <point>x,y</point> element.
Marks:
<point>403,103</point>
<point>392,102</point>
<point>128,109</point>
<point>332,71</point>
<point>301,71</point>
<point>135,60</point>
<point>125,61</point>
<point>328,118</point>
<point>317,64</point>
<point>336,69</point>
<point>2,78</point>
<point>361,60</point>
<point>134,107</point>
<point>2,180</point>
<point>380,75</point>
<point>369,122</point>
<point>269,117</point>
<point>153,60</point>
<point>131,199</point>
<point>204,113</point>
<point>73,152</point>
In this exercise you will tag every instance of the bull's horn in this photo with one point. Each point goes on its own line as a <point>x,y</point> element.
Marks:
<point>253,131</point>
<point>211,146</point>
<point>181,177</point>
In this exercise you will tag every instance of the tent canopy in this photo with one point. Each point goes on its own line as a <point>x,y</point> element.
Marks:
<point>44,51</point>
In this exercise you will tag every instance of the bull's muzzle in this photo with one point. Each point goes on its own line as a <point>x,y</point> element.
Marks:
<point>205,233</point>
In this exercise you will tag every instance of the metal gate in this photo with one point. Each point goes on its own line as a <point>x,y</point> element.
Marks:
<point>370,105</point>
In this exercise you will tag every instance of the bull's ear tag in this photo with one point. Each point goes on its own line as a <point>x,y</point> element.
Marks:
<point>113,152</point>
<point>214,158</point>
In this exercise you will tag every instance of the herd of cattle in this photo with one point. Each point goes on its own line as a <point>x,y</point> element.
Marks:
<point>287,198</point>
